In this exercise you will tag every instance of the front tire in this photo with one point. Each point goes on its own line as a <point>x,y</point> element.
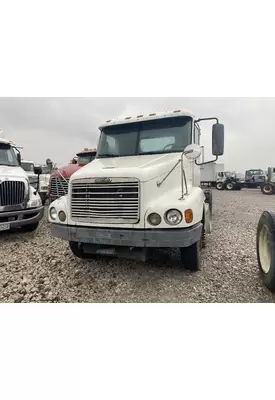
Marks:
<point>191,257</point>
<point>265,244</point>
<point>267,189</point>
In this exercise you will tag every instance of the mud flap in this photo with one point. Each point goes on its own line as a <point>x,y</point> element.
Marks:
<point>207,219</point>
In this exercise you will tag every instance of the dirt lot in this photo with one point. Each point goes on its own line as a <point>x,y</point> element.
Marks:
<point>34,267</point>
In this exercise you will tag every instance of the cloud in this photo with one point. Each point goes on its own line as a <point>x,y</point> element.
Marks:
<point>60,127</point>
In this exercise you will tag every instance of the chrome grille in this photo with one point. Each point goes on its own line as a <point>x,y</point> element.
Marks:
<point>114,202</point>
<point>59,187</point>
<point>12,193</point>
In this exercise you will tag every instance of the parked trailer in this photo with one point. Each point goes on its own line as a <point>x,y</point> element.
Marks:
<point>141,192</point>
<point>209,173</point>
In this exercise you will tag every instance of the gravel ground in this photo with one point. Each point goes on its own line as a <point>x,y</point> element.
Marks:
<point>35,267</point>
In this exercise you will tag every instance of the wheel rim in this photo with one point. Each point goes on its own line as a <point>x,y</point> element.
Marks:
<point>264,249</point>
<point>229,186</point>
<point>267,189</point>
<point>219,186</point>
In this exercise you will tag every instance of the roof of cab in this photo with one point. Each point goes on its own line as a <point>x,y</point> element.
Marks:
<point>86,151</point>
<point>148,117</point>
<point>6,141</point>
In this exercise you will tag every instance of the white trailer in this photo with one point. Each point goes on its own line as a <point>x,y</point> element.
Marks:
<point>209,173</point>
<point>141,192</point>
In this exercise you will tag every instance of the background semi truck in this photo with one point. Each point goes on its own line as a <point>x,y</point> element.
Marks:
<point>20,203</point>
<point>141,192</point>
<point>268,187</point>
<point>40,183</point>
<point>58,185</point>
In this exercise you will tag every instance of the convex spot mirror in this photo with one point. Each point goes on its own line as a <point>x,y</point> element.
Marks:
<point>38,170</point>
<point>218,140</point>
<point>193,152</point>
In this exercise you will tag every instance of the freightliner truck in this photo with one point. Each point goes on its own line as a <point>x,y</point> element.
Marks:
<point>142,191</point>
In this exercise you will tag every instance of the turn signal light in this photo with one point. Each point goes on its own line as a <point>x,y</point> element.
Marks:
<point>188,216</point>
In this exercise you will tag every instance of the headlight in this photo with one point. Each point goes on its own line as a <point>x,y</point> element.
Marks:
<point>53,213</point>
<point>173,217</point>
<point>62,216</point>
<point>154,219</point>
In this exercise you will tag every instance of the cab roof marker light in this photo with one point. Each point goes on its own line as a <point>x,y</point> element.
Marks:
<point>177,111</point>
<point>140,116</point>
<point>128,117</point>
<point>109,120</point>
<point>152,115</point>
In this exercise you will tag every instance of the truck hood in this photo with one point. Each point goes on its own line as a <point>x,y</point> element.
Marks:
<point>66,171</point>
<point>12,172</point>
<point>145,167</point>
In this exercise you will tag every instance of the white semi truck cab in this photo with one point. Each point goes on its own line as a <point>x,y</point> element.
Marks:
<point>20,203</point>
<point>141,192</point>
<point>41,182</point>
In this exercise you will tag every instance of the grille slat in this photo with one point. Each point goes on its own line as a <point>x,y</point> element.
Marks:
<point>59,187</point>
<point>115,202</point>
<point>12,193</point>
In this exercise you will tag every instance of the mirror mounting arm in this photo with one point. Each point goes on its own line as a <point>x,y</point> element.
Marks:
<point>207,162</point>
<point>207,119</point>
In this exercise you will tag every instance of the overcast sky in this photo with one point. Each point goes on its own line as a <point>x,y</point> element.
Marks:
<point>60,127</point>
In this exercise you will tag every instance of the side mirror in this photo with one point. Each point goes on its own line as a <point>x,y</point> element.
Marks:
<point>218,140</point>
<point>192,152</point>
<point>19,158</point>
<point>38,170</point>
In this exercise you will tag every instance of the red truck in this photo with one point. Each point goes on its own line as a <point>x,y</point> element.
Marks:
<point>60,177</point>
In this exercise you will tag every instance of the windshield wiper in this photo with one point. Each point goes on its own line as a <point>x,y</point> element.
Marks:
<point>107,155</point>
<point>9,165</point>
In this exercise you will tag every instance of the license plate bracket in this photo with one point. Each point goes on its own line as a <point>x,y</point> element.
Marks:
<point>4,226</point>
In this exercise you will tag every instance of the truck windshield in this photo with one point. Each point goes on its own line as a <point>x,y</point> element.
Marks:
<point>8,156</point>
<point>84,159</point>
<point>46,170</point>
<point>167,135</point>
<point>255,172</point>
<point>28,167</point>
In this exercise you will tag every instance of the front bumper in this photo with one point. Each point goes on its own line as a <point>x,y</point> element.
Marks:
<point>164,238</point>
<point>22,217</point>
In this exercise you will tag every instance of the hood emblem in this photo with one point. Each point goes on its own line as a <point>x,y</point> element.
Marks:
<point>120,193</point>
